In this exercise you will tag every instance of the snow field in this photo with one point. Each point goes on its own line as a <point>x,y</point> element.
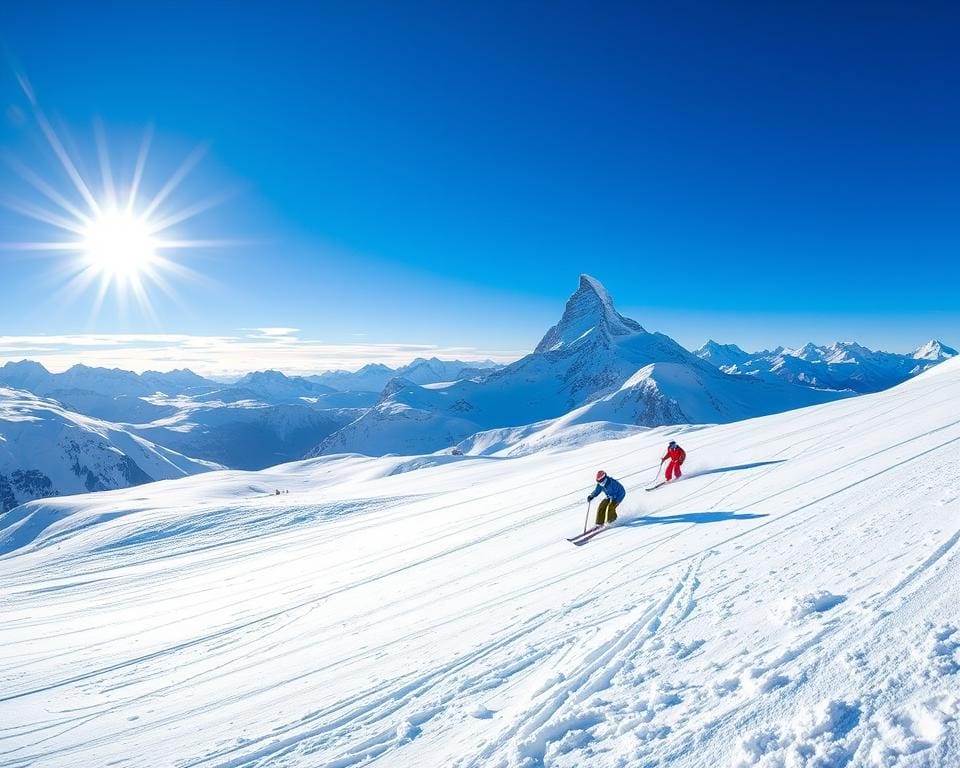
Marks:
<point>791,602</point>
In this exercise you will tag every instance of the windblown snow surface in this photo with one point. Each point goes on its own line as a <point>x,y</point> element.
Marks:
<point>793,601</point>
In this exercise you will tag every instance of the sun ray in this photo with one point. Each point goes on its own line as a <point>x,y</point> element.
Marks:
<point>68,165</point>
<point>110,242</point>
<point>38,213</point>
<point>174,244</point>
<point>175,268</point>
<point>167,290</point>
<point>139,168</point>
<point>185,214</point>
<point>106,174</point>
<point>174,181</point>
<point>47,190</point>
<point>75,286</point>
<point>101,294</point>
<point>143,298</point>
<point>34,247</point>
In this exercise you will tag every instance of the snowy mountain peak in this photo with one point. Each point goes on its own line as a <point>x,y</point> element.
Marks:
<point>273,385</point>
<point>29,366</point>
<point>589,309</point>
<point>934,350</point>
<point>270,376</point>
<point>25,374</point>
<point>179,374</point>
<point>721,354</point>
<point>47,450</point>
<point>396,384</point>
<point>808,351</point>
<point>847,350</point>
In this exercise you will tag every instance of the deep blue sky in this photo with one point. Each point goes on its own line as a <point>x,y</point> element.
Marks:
<point>440,173</point>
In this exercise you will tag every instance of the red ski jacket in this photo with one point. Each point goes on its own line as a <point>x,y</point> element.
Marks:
<point>676,454</point>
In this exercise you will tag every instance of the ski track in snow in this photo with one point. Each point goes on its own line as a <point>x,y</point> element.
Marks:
<point>791,602</point>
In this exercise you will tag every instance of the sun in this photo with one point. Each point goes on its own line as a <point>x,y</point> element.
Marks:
<point>116,235</point>
<point>118,245</point>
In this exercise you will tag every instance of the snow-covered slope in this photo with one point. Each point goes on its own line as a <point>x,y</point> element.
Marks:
<point>592,353</point>
<point>46,450</point>
<point>560,434</point>
<point>791,602</point>
<point>263,419</point>
<point>674,393</point>
<point>241,433</point>
<point>841,365</point>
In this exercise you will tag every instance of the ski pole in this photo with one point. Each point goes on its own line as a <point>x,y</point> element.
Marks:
<point>587,518</point>
<point>658,474</point>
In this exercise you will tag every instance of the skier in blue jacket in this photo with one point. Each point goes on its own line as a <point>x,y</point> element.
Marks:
<point>615,493</point>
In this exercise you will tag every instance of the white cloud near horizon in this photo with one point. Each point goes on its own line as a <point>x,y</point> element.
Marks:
<point>227,355</point>
<point>272,331</point>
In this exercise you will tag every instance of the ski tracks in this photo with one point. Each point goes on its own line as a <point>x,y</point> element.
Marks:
<point>560,716</point>
<point>554,716</point>
<point>406,704</point>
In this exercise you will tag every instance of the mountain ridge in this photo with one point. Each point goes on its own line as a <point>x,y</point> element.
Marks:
<point>839,365</point>
<point>585,357</point>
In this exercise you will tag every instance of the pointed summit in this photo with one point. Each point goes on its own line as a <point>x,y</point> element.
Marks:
<point>809,352</point>
<point>934,350</point>
<point>721,354</point>
<point>589,309</point>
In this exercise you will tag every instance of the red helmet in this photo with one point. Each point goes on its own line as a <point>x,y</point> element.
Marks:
<point>601,476</point>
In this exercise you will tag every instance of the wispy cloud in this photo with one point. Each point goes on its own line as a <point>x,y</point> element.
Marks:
<point>227,355</point>
<point>272,331</point>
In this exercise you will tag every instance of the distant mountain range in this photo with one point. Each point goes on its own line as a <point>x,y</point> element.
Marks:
<point>98,429</point>
<point>33,377</point>
<point>373,378</point>
<point>594,359</point>
<point>95,428</point>
<point>46,450</point>
<point>841,365</point>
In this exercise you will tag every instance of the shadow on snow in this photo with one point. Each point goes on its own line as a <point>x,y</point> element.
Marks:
<point>734,468</point>
<point>689,517</point>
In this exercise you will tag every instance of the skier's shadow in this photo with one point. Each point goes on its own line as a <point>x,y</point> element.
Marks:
<point>688,517</point>
<point>736,468</point>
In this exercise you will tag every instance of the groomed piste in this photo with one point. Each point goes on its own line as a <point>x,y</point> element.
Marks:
<point>791,602</point>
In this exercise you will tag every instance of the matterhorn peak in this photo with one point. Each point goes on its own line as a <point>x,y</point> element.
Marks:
<point>589,309</point>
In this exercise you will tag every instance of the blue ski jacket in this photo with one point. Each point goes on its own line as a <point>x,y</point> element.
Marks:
<point>614,490</point>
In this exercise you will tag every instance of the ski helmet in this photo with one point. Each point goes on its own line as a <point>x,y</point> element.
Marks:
<point>673,444</point>
<point>601,476</point>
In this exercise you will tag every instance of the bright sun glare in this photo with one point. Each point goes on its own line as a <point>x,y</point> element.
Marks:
<point>119,245</point>
<point>116,237</point>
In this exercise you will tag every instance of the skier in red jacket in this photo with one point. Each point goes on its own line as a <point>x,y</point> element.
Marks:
<point>676,454</point>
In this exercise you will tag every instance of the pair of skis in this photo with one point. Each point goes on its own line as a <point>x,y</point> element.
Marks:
<point>589,533</point>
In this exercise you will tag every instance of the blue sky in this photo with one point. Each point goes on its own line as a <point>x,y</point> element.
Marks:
<point>439,174</point>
